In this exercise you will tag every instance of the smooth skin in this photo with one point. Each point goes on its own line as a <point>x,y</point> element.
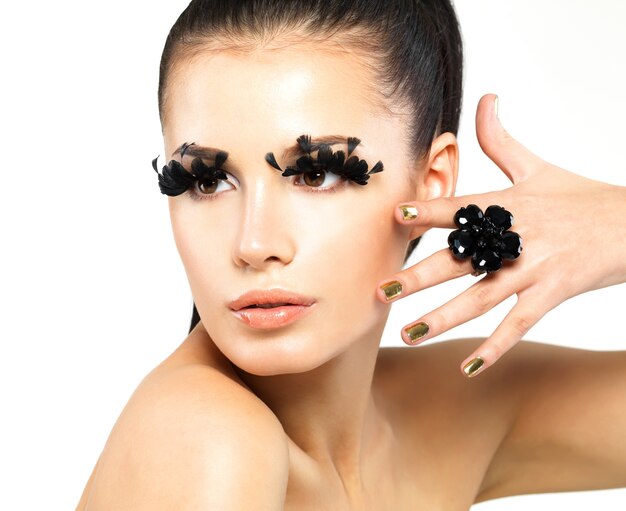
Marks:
<point>316,415</point>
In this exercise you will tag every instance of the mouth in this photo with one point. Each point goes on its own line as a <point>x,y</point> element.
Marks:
<point>267,309</point>
<point>268,299</point>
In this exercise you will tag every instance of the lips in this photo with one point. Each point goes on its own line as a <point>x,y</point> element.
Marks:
<point>269,298</point>
<point>267,309</point>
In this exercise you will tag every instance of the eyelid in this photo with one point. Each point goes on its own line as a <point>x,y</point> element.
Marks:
<point>339,183</point>
<point>194,194</point>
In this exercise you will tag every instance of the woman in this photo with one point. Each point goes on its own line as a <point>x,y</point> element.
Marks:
<point>299,407</point>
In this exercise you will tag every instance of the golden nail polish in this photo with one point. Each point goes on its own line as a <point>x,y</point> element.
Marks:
<point>392,289</point>
<point>408,212</point>
<point>417,331</point>
<point>473,366</point>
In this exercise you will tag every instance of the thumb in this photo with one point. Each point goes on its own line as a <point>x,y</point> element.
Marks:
<point>517,162</point>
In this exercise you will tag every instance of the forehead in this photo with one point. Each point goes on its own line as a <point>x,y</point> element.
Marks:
<point>269,96</point>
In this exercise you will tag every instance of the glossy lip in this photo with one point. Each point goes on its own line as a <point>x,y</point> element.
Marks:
<point>274,317</point>
<point>262,296</point>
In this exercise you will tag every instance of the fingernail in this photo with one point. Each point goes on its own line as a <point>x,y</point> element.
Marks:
<point>408,212</point>
<point>417,331</point>
<point>472,367</point>
<point>392,289</point>
<point>496,101</point>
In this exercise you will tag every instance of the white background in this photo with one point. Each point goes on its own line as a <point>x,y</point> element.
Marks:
<point>92,292</point>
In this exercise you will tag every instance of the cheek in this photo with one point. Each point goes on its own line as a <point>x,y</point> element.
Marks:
<point>345,262</point>
<point>347,256</point>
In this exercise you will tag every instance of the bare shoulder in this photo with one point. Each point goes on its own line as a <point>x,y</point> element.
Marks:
<point>439,363</point>
<point>544,418</point>
<point>522,370</point>
<point>430,375</point>
<point>192,438</point>
<point>464,419</point>
<point>436,365</point>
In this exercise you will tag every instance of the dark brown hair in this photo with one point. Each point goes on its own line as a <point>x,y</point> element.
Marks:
<point>412,47</point>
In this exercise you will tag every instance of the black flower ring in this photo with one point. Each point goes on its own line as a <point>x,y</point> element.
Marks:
<point>484,237</point>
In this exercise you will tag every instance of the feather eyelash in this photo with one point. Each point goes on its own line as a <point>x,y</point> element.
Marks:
<point>329,161</point>
<point>174,179</point>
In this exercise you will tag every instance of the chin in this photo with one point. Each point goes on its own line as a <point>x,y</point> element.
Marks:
<point>271,357</point>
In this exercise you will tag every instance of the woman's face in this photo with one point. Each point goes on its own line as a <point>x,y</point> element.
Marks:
<point>333,243</point>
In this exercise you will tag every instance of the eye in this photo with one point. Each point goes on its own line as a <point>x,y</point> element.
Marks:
<point>317,178</point>
<point>206,188</point>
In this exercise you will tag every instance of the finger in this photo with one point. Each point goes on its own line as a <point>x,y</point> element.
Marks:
<point>478,299</point>
<point>517,162</point>
<point>520,319</point>
<point>440,212</point>
<point>435,269</point>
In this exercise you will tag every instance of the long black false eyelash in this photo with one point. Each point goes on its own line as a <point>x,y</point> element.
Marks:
<point>327,160</point>
<point>175,179</point>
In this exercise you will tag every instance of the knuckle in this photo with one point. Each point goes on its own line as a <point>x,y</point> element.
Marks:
<point>451,204</point>
<point>437,321</point>
<point>414,278</point>
<point>496,350</point>
<point>506,137</point>
<point>424,214</point>
<point>483,299</point>
<point>521,325</point>
<point>450,201</point>
<point>458,267</point>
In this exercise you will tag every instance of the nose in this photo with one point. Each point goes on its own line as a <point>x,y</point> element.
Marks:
<point>264,236</point>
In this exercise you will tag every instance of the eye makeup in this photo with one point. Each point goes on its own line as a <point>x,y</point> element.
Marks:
<point>328,161</point>
<point>175,179</point>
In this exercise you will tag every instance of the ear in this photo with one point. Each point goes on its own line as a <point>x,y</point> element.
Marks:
<point>437,175</point>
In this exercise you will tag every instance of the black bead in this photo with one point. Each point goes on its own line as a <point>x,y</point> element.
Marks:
<point>499,217</point>
<point>511,245</point>
<point>470,215</point>
<point>486,260</point>
<point>462,243</point>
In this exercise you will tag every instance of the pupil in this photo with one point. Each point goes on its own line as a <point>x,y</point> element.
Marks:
<point>314,178</point>
<point>207,186</point>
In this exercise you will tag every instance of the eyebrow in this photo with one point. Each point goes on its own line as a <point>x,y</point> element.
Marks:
<point>209,153</point>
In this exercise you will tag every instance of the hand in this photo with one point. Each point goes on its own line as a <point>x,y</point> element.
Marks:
<point>573,232</point>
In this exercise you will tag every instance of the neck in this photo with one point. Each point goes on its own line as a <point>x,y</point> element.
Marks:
<point>329,412</point>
